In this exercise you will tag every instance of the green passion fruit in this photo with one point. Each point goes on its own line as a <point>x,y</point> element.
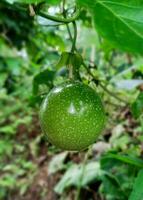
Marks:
<point>72,116</point>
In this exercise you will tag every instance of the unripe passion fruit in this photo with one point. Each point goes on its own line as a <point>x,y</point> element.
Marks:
<point>72,116</point>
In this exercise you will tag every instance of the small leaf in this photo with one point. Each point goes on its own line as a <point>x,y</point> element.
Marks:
<point>63,61</point>
<point>137,193</point>
<point>68,58</point>
<point>76,60</point>
<point>73,60</point>
<point>137,106</point>
<point>45,77</point>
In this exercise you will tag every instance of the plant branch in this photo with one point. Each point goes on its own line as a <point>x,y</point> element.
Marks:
<point>69,32</point>
<point>111,93</point>
<point>103,86</point>
<point>63,8</point>
<point>75,37</point>
<point>52,17</point>
<point>60,19</point>
<point>82,173</point>
<point>67,25</point>
<point>88,70</point>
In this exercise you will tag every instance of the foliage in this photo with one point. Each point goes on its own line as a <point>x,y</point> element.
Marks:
<point>137,106</point>
<point>116,21</point>
<point>137,190</point>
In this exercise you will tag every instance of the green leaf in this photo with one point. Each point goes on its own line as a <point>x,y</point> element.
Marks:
<point>72,177</point>
<point>55,40</point>
<point>5,50</point>
<point>109,187</point>
<point>137,106</point>
<point>6,148</point>
<point>63,61</point>
<point>45,77</point>
<point>14,65</point>
<point>8,181</point>
<point>57,162</point>
<point>53,2</point>
<point>73,60</point>
<point>137,193</point>
<point>120,22</point>
<point>8,129</point>
<point>125,158</point>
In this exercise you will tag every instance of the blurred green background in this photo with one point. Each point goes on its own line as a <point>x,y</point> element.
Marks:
<point>30,167</point>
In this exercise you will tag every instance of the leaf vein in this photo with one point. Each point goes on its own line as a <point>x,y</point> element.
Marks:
<point>121,19</point>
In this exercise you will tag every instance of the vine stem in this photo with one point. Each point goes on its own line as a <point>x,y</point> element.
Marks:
<point>72,39</point>
<point>70,67</point>
<point>73,49</point>
<point>95,79</point>
<point>75,37</point>
<point>60,19</point>
<point>68,29</point>
<point>52,17</point>
<point>103,86</point>
<point>111,93</point>
<point>67,25</point>
<point>77,197</point>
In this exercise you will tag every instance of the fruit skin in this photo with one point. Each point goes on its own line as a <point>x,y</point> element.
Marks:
<point>72,116</point>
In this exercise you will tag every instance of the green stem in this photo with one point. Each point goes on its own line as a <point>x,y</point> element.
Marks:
<point>67,25</point>
<point>111,93</point>
<point>75,37</point>
<point>141,121</point>
<point>51,17</point>
<point>60,19</point>
<point>69,32</point>
<point>71,77</point>
<point>63,7</point>
<point>89,72</point>
<point>82,173</point>
<point>104,87</point>
<point>73,47</point>
<point>70,67</point>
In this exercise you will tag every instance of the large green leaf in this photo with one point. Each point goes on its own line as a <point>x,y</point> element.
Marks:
<point>120,22</point>
<point>137,193</point>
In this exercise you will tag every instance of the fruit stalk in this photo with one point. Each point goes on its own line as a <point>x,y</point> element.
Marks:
<point>87,154</point>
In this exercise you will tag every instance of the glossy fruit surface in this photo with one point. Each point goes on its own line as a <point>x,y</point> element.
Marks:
<point>72,116</point>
